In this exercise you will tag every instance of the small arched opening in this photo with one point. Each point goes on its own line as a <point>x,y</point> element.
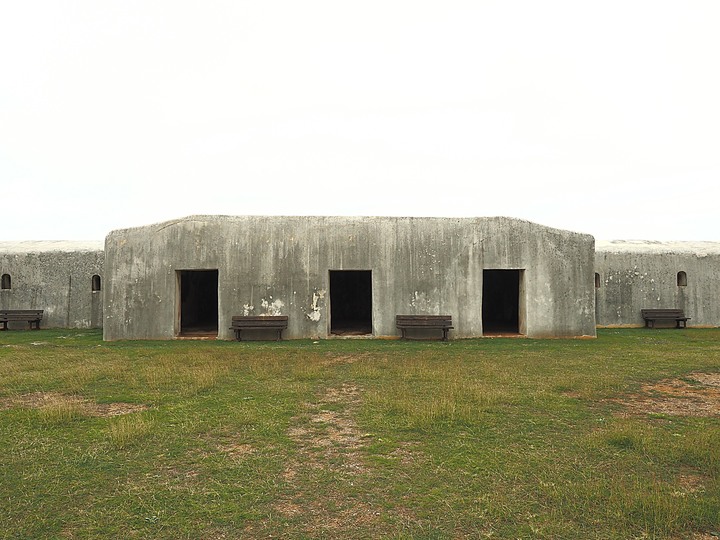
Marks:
<point>5,282</point>
<point>96,283</point>
<point>681,279</point>
<point>597,280</point>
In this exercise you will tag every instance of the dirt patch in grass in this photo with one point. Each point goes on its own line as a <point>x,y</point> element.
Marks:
<point>45,400</point>
<point>320,519</point>
<point>328,436</point>
<point>170,477</point>
<point>112,409</point>
<point>329,444</point>
<point>690,482</point>
<point>230,444</point>
<point>407,454</point>
<point>333,359</point>
<point>236,450</point>
<point>698,394</point>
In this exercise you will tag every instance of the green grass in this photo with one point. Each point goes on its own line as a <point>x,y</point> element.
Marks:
<point>496,438</point>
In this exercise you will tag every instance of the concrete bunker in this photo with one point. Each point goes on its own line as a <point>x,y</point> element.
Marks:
<point>346,276</point>
<point>198,302</point>
<point>54,276</point>
<point>350,302</point>
<point>641,274</point>
<point>502,302</point>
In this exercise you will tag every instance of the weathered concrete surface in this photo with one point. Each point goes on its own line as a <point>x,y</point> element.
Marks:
<point>280,265</point>
<point>643,274</point>
<point>55,277</point>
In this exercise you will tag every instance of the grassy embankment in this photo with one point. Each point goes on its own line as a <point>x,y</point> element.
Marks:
<point>501,438</point>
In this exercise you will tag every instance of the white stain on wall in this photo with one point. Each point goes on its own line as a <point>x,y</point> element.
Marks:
<point>315,313</point>
<point>421,303</point>
<point>272,307</point>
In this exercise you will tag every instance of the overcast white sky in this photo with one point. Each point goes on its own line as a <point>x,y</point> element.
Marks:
<point>599,117</point>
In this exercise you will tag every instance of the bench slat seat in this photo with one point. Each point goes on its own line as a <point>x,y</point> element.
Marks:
<point>268,322</point>
<point>676,315</point>
<point>31,316</point>
<point>420,322</point>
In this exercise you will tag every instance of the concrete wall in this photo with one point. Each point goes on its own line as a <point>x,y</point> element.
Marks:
<point>280,265</point>
<point>55,277</point>
<point>637,275</point>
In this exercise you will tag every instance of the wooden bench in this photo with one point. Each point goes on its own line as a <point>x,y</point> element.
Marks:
<point>31,316</point>
<point>652,315</point>
<point>424,322</point>
<point>267,322</point>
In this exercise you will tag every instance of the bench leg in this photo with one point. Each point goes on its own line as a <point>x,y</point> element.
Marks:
<point>445,334</point>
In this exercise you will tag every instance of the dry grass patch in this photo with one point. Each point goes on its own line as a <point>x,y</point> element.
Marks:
<point>698,394</point>
<point>55,401</point>
<point>125,431</point>
<point>167,374</point>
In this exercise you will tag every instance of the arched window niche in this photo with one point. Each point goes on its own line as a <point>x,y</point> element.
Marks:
<point>597,280</point>
<point>681,279</point>
<point>5,282</point>
<point>96,283</point>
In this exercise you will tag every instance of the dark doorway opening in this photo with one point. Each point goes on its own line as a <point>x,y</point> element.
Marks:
<point>198,302</point>
<point>501,301</point>
<point>350,302</point>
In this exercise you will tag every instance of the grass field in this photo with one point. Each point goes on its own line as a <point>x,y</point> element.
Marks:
<point>617,437</point>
